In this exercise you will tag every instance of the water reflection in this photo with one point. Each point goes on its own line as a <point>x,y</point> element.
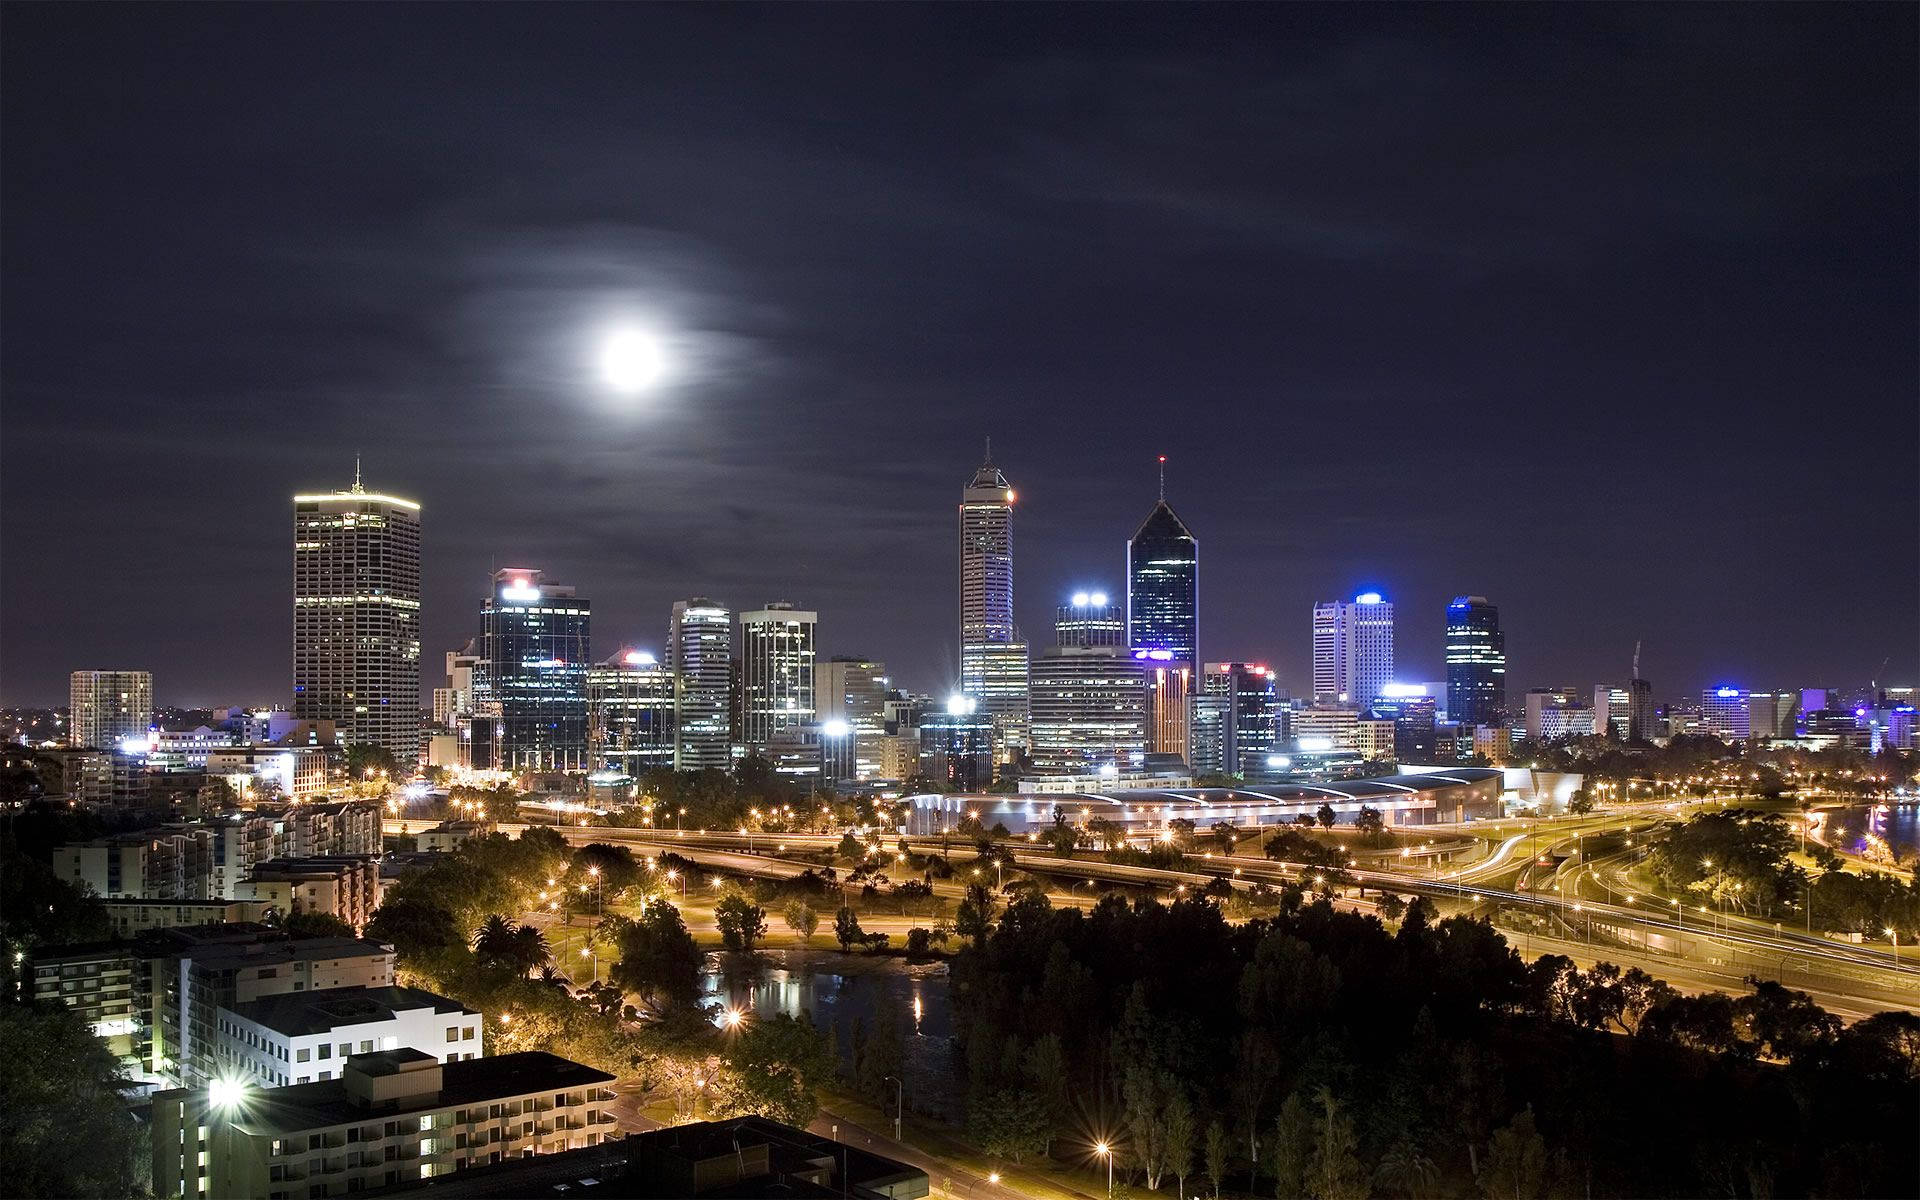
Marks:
<point>915,997</point>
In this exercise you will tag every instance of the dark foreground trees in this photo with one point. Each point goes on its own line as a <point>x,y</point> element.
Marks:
<point>1430,1061</point>
<point>64,1129</point>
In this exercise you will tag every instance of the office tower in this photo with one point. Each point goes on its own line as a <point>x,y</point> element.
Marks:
<point>1169,704</point>
<point>700,652</point>
<point>630,713</point>
<point>776,671</point>
<point>957,745</point>
<point>1352,649</point>
<point>1642,725</point>
<point>454,701</point>
<point>1556,713</point>
<point>109,707</point>
<point>531,683</point>
<point>1611,715</point>
<point>853,690</point>
<point>1163,583</point>
<point>1089,620</point>
<point>1723,710</point>
<point>1412,711</point>
<point>1251,730</point>
<point>356,617</point>
<point>1207,720</point>
<point>1089,709</point>
<point>993,658</point>
<point>1476,662</point>
<point>1771,714</point>
<point>1814,700</point>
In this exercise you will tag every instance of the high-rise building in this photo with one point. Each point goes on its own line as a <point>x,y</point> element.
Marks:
<point>454,701</point>
<point>776,671</point>
<point>700,652</point>
<point>1169,704</point>
<point>531,683</point>
<point>109,707</point>
<point>1723,709</point>
<point>1208,718</point>
<point>1642,724</point>
<point>1163,583</point>
<point>1476,662</point>
<point>1771,714</point>
<point>356,617</point>
<point>956,745</point>
<point>1252,728</point>
<point>1352,649</point>
<point>993,658</point>
<point>1611,711</point>
<point>1089,709</point>
<point>1556,713</point>
<point>1088,619</point>
<point>630,713</point>
<point>853,690</point>
<point>1411,709</point>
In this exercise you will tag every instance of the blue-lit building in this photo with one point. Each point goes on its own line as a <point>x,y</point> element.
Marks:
<point>1163,586</point>
<point>530,686</point>
<point>1476,662</point>
<point>1254,724</point>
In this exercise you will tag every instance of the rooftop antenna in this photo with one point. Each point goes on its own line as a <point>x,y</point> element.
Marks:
<point>356,472</point>
<point>1163,479</point>
<point>989,449</point>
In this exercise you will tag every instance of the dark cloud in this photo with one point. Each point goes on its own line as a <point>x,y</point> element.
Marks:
<point>1605,312</point>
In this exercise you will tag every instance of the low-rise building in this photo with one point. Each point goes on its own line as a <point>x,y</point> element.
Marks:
<point>294,772</point>
<point>160,864</point>
<point>343,886</point>
<point>390,1117</point>
<point>95,980</point>
<point>448,835</point>
<point>130,918</point>
<point>300,1037</point>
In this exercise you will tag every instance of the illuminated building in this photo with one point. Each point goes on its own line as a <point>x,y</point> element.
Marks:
<point>1723,709</point>
<point>630,713</point>
<point>776,672</point>
<point>993,658</point>
<point>1163,583</point>
<point>1771,714</point>
<point>700,654</point>
<point>1476,662</point>
<point>1352,649</point>
<point>530,689</point>
<point>454,702</point>
<point>1611,715</point>
<point>1642,725</point>
<point>356,617</point>
<point>853,691</point>
<point>1169,706</point>
<point>1089,620</point>
<point>956,745</point>
<point>1556,713</point>
<point>1089,709</point>
<point>1252,729</point>
<point>1411,710</point>
<point>108,708</point>
<point>1207,721</point>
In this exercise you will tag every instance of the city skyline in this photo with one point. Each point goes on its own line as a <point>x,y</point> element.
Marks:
<point>1604,322</point>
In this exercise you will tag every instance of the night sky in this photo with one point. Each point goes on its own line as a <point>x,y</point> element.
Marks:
<point>1606,313</point>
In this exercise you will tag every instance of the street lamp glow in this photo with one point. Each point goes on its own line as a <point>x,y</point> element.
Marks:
<point>630,361</point>
<point>226,1093</point>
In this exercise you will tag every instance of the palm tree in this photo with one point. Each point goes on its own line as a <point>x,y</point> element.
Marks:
<point>549,977</point>
<point>493,941</point>
<point>530,951</point>
<point>1407,1171</point>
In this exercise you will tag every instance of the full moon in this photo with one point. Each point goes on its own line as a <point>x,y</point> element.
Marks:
<point>630,361</point>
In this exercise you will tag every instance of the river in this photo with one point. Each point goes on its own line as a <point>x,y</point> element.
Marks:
<point>835,990</point>
<point>1847,828</point>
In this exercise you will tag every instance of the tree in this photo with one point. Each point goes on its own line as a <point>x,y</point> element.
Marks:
<point>1293,1146</point>
<point>846,929</point>
<point>918,941</point>
<point>316,924</point>
<point>1516,1161</point>
<point>530,951</point>
<point>1009,1123</point>
<point>1150,1094</point>
<point>740,920</point>
<point>1334,1171</point>
<point>772,1070</point>
<point>1581,802</point>
<point>1219,1153</point>
<point>1225,836</point>
<point>1182,1134</point>
<point>975,917</point>
<point>659,959</point>
<point>879,1057</point>
<point>1370,824</point>
<point>802,920</point>
<point>493,941</point>
<point>1107,834</point>
<point>67,1130</point>
<point>1325,816</point>
<point>1392,907</point>
<point>415,926</point>
<point>366,760</point>
<point>1407,1171</point>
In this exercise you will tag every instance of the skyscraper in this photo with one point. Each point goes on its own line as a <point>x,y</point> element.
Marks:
<point>1163,583</point>
<point>1089,620</point>
<point>1476,662</point>
<point>1724,709</point>
<point>853,690</point>
<point>1352,649</point>
<point>1169,704</point>
<point>356,617</point>
<point>776,671</point>
<point>1251,728</point>
<point>1089,706</point>
<point>530,687</point>
<point>993,659</point>
<point>700,652</point>
<point>630,712</point>
<point>108,707</point>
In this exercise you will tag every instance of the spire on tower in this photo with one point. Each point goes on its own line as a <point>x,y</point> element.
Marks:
<point>356,472</point>
<point>1163,477</point>
<point>988,461</point>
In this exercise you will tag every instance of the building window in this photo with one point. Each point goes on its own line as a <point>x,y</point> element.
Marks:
<point>302,1054</point>
<point>326,1051</point>
<point>453,1031</point>
<point>466,1035</point>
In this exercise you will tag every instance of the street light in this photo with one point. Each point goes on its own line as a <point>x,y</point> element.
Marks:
<point>585,952</point>
<point>899,1095</point>
<point>1105,1151</point>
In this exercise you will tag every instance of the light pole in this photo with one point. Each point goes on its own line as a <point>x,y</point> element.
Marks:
<point>585,952</point>
<point>1105,1151</point>
<point>899,1094</point>
<point>1895,935</point>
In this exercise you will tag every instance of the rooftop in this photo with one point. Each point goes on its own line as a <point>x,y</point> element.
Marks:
<point>326,1103</point>
<point>297,1014</point>
<point>247,954</point>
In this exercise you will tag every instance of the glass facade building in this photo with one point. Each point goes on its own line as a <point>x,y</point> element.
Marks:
<point>1352,649</point>
<point>630,713</point>
<point>531,685</point>
<point>1476,662</point>
<point>776,672</point>
<point>993,658</point>
<point>700,653</point>
<point>1253,722</point>
<point>1089,620</point>
<point>1163,586</point>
